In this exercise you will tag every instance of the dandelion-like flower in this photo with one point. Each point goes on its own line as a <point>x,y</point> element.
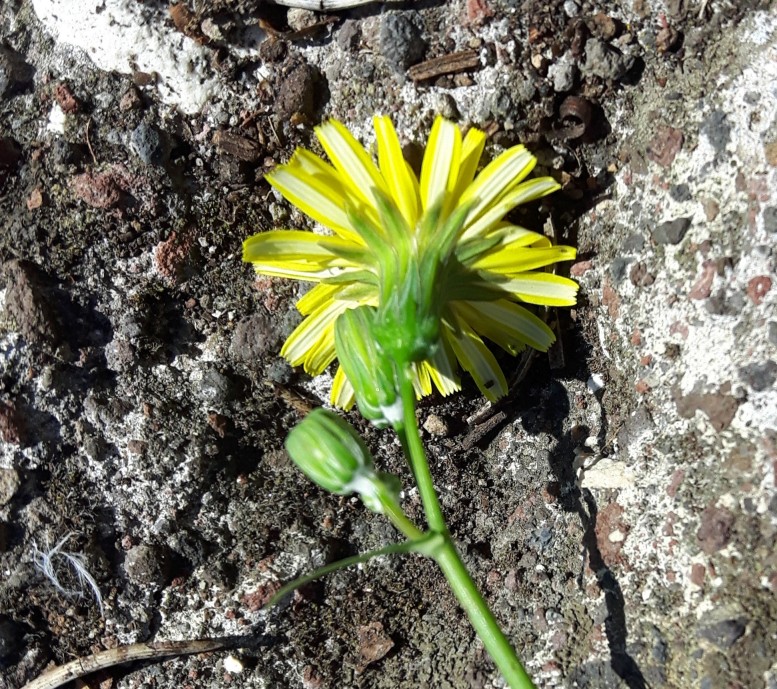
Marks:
<point>434,255</point>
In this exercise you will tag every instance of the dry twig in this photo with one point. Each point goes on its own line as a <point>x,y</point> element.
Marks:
<point>328,5</point>
<point>58,676</point>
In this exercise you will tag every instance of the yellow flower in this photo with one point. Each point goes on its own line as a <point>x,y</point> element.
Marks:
<point>487,266</point>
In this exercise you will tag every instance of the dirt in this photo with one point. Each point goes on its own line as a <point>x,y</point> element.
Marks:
<point>619,509</point>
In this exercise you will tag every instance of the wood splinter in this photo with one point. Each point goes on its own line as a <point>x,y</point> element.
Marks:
<point>452,63</point>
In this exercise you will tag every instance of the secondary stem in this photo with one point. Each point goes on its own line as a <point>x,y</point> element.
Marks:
<point>397,517</point>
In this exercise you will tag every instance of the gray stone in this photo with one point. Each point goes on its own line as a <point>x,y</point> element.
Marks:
<point>147,565</point>
<point>723,304</point>
<point>150,144</point>
<point>563,74</point>
<point>401,39</point>
<point>9,484</point>
<point>671,231</point>
<point>680,192</point>
<point>759,376</point>
<point>215,387</point>
<point>772,332</point>
<point>602,60</point>
<point>717,129</point>
<point>618,269</point>
<point>15,73</point>
<point>571,8</point>
<point>722,633</point>
<point>633,243</point>
<point>770,219</point>
<point>279,371</point>
<point>349,35</point>
<point>63,153</point>
<point>639,423</point>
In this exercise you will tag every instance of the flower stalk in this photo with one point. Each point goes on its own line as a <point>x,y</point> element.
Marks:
<point>416,272</point>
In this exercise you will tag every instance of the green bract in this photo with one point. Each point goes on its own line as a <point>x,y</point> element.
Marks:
<point>371,373</point>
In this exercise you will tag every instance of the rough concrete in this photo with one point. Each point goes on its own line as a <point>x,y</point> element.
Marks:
<point>619,509</point>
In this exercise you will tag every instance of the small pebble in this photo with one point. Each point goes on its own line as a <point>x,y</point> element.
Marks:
<point>759,376</point>
<point>401,40</point>
<point>571,8</point>
<point>671,231</point>
<point>595,383</point>
<point>563,74</point>
<point>232,665</point>
<point>770,219</point>
<point>150,144</point>
<point>604,61</point>
<point>435,425</point>
<point>445,105</point>
<point>9,484</point>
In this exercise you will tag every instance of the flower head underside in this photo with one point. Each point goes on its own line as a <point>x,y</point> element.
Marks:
<point>434,252</point>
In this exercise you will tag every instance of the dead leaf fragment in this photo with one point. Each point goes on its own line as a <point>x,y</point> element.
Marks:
<point>374,644</point>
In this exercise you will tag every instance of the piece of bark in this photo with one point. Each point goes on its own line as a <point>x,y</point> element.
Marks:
<point>451,63</point>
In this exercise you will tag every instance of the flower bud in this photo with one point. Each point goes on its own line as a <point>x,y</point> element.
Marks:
<point>366,366</point>
<point>331,454</point>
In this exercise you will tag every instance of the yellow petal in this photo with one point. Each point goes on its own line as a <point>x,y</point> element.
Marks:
<point>442,370</point>
<point>300,255</point>
<point>508,324</point>
<point>421,380</point>
<point>314,195</point>
<point>357,171</point>
<point>521,193</point>
<point>498,176</point>
<point>316,297</point>
<point>442,160</point>
<point>342,395</point>
<point>476,358</point>
<point>541,288</point>
<point>510,260</point>
<point>471,150</point>
<point>517,237</point>
<point>398,175</point>
<point>312,342</point>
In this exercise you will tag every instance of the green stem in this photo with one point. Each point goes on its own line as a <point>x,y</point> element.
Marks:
<point>445,553</point>
<point>481,617</point>
<point>411,442</point>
